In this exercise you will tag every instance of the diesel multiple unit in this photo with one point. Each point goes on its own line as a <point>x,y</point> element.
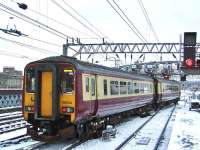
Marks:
<point>62,93</point>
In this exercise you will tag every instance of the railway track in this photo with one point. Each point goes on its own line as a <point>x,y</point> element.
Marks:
<point>5,115</point>
<point>15,140</point>
<point>146,137</point>
<point>9,109</point>
<point>11,122</point>
<point>13,127</point>
<point>74,144</point>
<point>35,145</point>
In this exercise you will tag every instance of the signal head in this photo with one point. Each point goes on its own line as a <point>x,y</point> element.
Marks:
<point>189,62</point>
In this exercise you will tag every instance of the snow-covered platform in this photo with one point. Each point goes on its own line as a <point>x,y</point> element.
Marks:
<point>186,130</point>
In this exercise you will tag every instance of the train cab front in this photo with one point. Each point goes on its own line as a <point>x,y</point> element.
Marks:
<point>49,98</point>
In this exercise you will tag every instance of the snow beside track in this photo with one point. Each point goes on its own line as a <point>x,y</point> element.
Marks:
<point>186,130</point>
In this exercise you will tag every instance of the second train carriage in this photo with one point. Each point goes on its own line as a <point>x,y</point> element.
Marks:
<point>61,91</point>
<point>167,91</point>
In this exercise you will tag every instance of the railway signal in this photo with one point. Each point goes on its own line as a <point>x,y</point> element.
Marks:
<point>189,49</point>
<point>191,63</point>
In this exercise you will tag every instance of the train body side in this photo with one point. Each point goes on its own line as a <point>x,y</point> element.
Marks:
<point>168,90</point>
<point>101,95</point>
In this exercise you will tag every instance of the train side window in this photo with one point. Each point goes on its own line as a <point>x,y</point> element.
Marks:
<point>30,81</point>
<point>141,87</point>
<point>198,97</point>
<point>87,84</point>
<point>146,87</point>
<point>136,88</point>
<point>151,88</point>
<point>114,88</point>
<point>68,81</point>
<point>130,88</point>
<point>105,87</point>
<point>123,87</point>
<point>93,86</point>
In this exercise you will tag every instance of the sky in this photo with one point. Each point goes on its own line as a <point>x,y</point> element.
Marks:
<point>169,18</point>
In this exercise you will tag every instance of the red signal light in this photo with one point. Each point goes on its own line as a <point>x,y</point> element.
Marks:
<point>189,62</point>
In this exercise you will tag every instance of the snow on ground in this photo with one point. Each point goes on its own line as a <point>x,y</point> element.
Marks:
<point>166,137</point>
<point>186,130</point>
<point>123,131</point>
<point>19,146</point>
<point>185,127</point>
<point>150,132</point>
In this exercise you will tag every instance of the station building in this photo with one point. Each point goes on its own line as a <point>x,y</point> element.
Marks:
<point>11,78</point>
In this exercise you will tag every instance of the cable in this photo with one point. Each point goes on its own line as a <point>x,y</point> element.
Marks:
<point>141,38</point>
<point>53,44</point>
<point>130,21</point>
<point>58,5</point>
<point>148,19</point>
<point>31,23</point>
<point>39,24</point>
<point>28,46</point>
<point>58,22</point>
<point>84,18</point>
<point>6,53</point>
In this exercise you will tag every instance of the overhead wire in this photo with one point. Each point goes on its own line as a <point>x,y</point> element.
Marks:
<point>42,41</point>
<point>85,19</point>
<point>39,40</point>
<point>130,21</point>
<point>138,34</point>
<point>28,46</point>
<point>6,53</point>
<point>150,23</point>
<point>34,22</point>
<point>148,19</point>
<point>83,24</point>
<point>58,22</point>
<point>31,23</point>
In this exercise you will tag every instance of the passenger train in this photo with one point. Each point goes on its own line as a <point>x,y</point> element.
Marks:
<point>62,94</point>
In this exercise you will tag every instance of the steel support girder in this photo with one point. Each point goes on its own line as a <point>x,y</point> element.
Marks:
<point>125,48</point>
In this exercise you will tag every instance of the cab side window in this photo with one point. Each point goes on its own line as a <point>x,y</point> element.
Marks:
<point>68,81</point>
<point>30,81</point>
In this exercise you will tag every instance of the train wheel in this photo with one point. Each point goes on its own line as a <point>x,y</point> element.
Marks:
<point>80,128</point>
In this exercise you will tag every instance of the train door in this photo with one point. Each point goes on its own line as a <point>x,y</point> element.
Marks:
<point>89,92</point>
<point>46,94</point>
<point>155,96</point>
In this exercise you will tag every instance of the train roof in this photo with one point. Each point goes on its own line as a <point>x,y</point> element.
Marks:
<point>167,81</point>
<point>94,68</point>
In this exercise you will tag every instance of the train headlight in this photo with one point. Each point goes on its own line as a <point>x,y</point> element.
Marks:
<point>67,109</point>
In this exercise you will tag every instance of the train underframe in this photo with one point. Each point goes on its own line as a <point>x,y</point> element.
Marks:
<point>49,131</point>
